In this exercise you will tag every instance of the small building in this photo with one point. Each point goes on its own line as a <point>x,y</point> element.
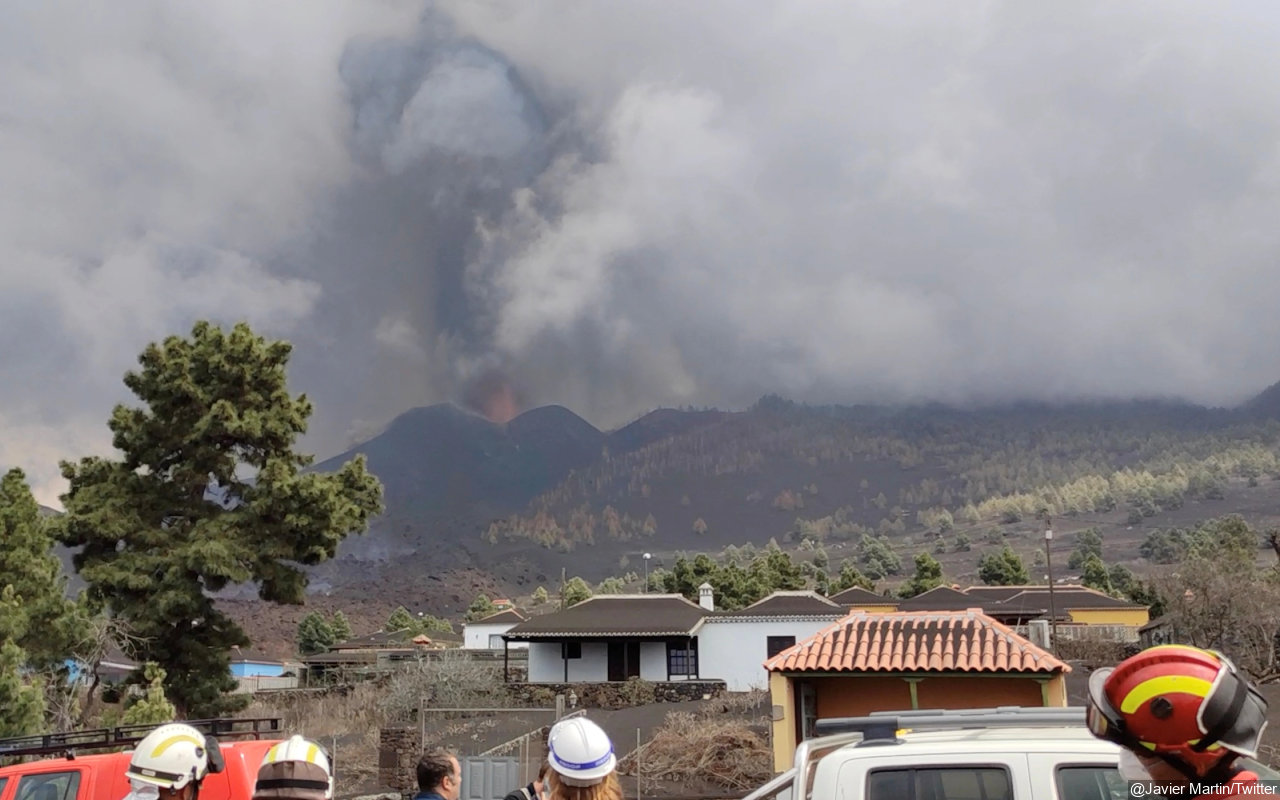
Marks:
<point>857,597</point>
<point>486,633</point>
<point>665,637</point>
<point>613,637</point>
<point>900,660</point>
<point>250,664</point>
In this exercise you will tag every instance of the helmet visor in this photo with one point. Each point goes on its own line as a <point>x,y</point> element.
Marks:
<point>1234,714</point>
<point>1103,720</point>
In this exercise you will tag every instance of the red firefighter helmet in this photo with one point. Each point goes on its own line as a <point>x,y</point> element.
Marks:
<point>1186,705</point>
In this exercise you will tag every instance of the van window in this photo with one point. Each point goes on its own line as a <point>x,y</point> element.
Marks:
<point>1090,783</point>
<point>940,783</point>
<point>49,786</point>
<point>3,783</point>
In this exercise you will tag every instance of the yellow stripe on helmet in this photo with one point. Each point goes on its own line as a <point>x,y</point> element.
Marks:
<point>312,752</point>
<point>171,741</point>
<point>1165,684</point>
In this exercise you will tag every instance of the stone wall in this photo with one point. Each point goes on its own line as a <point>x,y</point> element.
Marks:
<point>398,752</point>
<point>618,694</point>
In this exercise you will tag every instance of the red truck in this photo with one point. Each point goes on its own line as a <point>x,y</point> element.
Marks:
<point>74,775</point>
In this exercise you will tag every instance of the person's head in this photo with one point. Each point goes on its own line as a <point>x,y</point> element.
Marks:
<point>439,772</point>
<point>1180,712</point>
<point>295,769</point>
<point>169,763</point>
<point>582,763</point>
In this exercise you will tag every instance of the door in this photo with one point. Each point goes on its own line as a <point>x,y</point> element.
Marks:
<point>624,660</point>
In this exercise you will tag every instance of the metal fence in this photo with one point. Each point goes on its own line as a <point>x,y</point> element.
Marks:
<point>1089,633</point>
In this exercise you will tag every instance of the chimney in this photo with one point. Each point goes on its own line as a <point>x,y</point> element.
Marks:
<point>1038,632</point>
<point>705,597</point>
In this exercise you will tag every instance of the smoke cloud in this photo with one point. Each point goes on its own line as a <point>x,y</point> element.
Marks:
<point>620,206</point>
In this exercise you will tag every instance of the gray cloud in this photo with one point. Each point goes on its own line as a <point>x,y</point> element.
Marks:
<point>624,206</point>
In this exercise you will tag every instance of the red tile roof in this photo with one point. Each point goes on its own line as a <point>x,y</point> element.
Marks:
<point>920,641</point>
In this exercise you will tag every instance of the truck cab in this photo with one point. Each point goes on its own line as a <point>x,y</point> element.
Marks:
<point>76,775</point>
<point>1006,753</point>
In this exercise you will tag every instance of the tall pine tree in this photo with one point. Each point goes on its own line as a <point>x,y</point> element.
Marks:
<point>208,492</point>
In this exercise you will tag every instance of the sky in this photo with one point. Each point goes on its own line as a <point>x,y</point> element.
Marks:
<point>618,207</point>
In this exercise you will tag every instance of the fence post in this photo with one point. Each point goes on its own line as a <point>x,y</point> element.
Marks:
<point>639,771</point>
<point>559,706</point>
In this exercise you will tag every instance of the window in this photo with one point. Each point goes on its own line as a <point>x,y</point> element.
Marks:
<point>495,641</point>
<point>1090,783</point>
<point>682,661</point>
<point>49,786</point>
<point>571,650</point>
<point>3,781</point>
<point>776,644</point>
<point>940,783</point>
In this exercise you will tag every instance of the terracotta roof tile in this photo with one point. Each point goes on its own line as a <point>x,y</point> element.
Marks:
<point>920,641</point>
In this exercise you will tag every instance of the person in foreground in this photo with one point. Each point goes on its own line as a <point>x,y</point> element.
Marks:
<point>171,762</point>
<point>534,791</point>
<point>1184,716</point>
<point>295,769</point>
<point>583,765</point>
<point>439,776</point>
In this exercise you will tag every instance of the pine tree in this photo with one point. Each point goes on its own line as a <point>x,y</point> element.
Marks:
<point>28,564</point>
<point>208,493</point>
<point>21,702</point>
<point>315,634</point>
<point>341,627</point>
<point>153,708</point>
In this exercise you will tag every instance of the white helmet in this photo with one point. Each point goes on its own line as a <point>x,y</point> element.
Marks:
<point>580,752</point>
<point>295,769</point>
<point>171,756</point>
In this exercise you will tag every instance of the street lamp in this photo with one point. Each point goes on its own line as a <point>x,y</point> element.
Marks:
<point>647,556</point>
<point>1048,560</point>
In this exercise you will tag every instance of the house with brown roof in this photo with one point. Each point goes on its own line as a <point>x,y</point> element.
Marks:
<point>486,633</point>
<point>900,660</point>
<point>665,637</point>
<point>1080,612</point>
<point>857,597</point>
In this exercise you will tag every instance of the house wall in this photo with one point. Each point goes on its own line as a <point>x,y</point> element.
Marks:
<point>1111,616</point>
<point>476,636</point>
<point>546,665</point>
<point>735,651</point>
<point>873,609</point>
<point>653,661</point>
<point>246,669</point>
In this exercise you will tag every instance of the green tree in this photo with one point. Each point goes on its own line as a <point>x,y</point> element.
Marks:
<point>22,704</point>
<point>401,620</point>
<point>963,544</point>
<point>1088,542</point>
<point>540,596</point>
<point>850,577</point>
<point>610,585</point>
<point>28,564</point>
<point>1095,575</point>
<point>1003,569</point>
<point>209,492</point>
<point>480,608</point>
<point>928,576</point>
<point>315,634</point>
<point>575,591</point>
<point>154,707</point>
<point>340,626</point>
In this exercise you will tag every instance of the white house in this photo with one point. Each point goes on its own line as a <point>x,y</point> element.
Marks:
<point>486,633</point>
<point>664,637</point>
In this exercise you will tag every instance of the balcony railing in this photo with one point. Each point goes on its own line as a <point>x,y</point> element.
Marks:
<point>1088,633</point>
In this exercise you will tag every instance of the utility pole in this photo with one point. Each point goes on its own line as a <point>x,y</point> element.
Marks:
<point>1048,560</point>
<point>562,574</point>
<point>646,572</point>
